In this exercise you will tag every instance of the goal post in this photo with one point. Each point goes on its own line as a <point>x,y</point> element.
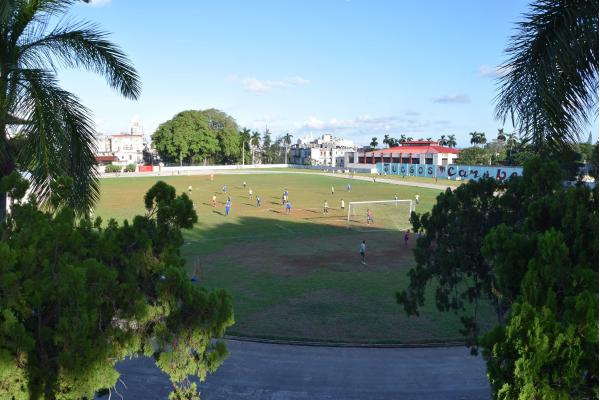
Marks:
<point>387,214</point>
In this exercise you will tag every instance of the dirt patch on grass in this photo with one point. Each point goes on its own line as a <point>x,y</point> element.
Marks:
<point>296,257</point>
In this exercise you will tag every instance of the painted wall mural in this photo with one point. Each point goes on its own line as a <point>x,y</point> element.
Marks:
<point>451,171</point>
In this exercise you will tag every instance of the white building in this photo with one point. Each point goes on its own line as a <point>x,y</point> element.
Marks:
<point>121,149</point>
<point>326,151</point>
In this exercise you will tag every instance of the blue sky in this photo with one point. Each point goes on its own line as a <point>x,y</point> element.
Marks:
<point>354,68</point>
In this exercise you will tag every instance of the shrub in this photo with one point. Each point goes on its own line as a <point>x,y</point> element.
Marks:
<point>130,168</point>
<point>112,168</point>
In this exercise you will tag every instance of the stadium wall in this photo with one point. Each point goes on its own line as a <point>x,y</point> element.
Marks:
<point>451,171</point>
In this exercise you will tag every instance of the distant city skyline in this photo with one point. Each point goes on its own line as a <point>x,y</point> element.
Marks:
<point>355,69</point>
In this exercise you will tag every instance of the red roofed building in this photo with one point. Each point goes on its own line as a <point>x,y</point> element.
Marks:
<point>414,152</point>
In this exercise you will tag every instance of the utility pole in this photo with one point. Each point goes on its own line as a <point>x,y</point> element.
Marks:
<point>243,151</point>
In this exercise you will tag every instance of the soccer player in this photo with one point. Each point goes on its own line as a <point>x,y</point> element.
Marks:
<point>373,179</point>
<point>250,193</point>
<point>406,237</point>
<point>257,201</point>
<point>214,200</point>
<point>244,184</point>
<point>363,251</point>
<point>332,190</point>
<point>228,199</point>
<point>224,189</point>
<point>417,198</point>
<point>190,189</point>
<point>211,177</point>
<point>288,207</point>
<point>370,217</point>
<point>348,187</point>
<point>343,204</point>
<point>227,207</point>
<point>325,208</point>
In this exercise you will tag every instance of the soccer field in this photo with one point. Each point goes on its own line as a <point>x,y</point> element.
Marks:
<point>299,275</point>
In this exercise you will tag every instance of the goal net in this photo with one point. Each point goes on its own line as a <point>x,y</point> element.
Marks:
<point>387,214</point>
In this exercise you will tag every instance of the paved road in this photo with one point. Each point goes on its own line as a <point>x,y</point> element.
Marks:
<point>283,372</point>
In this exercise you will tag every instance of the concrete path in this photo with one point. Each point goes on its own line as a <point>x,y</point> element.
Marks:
<point>283,372</point>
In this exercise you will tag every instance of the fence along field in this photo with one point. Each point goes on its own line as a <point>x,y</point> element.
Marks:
<point>298,275</point>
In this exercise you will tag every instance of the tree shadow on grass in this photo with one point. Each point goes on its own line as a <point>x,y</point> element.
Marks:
<point>258,259</point>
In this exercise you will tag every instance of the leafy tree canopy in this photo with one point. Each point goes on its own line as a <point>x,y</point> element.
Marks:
<point>529,246</point>
<point>77,296</point>
<point>202,135</point>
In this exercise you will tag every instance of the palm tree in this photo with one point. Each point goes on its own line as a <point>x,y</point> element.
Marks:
<point>386,140</point>
<point>478,138</point>
<point>245,139</point>
<point>374,143</point>
<point>482,139</point>
<point>287,140</point>
<point>501,136</point>
<point>451,142</point>
<point>44,129</point>
<point>550,90</point>
<point>443,141</point>
<point>255,142</point>
<point>511,143</point>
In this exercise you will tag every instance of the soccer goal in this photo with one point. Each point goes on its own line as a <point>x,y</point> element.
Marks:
<point>387,214</point>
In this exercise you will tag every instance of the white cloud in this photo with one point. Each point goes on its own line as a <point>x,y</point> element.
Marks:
<point>493,72</point>
<point>258,86</point>
<point>454,98</point>
<point>99,3</point>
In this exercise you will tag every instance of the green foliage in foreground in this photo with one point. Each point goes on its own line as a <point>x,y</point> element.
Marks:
<point>76,298</point>
<point>530,246</point>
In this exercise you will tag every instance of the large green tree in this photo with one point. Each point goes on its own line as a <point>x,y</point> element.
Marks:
<point>529,247</point>
<point>44,129</point>
<point>77,296</point>
<point>186,136</point>
<point>199,136</point>
<point>549,345</point>
<point>226,129</point>
<point>550,86</point>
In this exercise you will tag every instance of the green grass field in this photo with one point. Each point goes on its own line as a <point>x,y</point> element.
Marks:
<point>299,276</point>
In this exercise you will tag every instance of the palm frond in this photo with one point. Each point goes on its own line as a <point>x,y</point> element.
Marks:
<point>551,89</point>
<point>84,45</point>
<point>59,140</point>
